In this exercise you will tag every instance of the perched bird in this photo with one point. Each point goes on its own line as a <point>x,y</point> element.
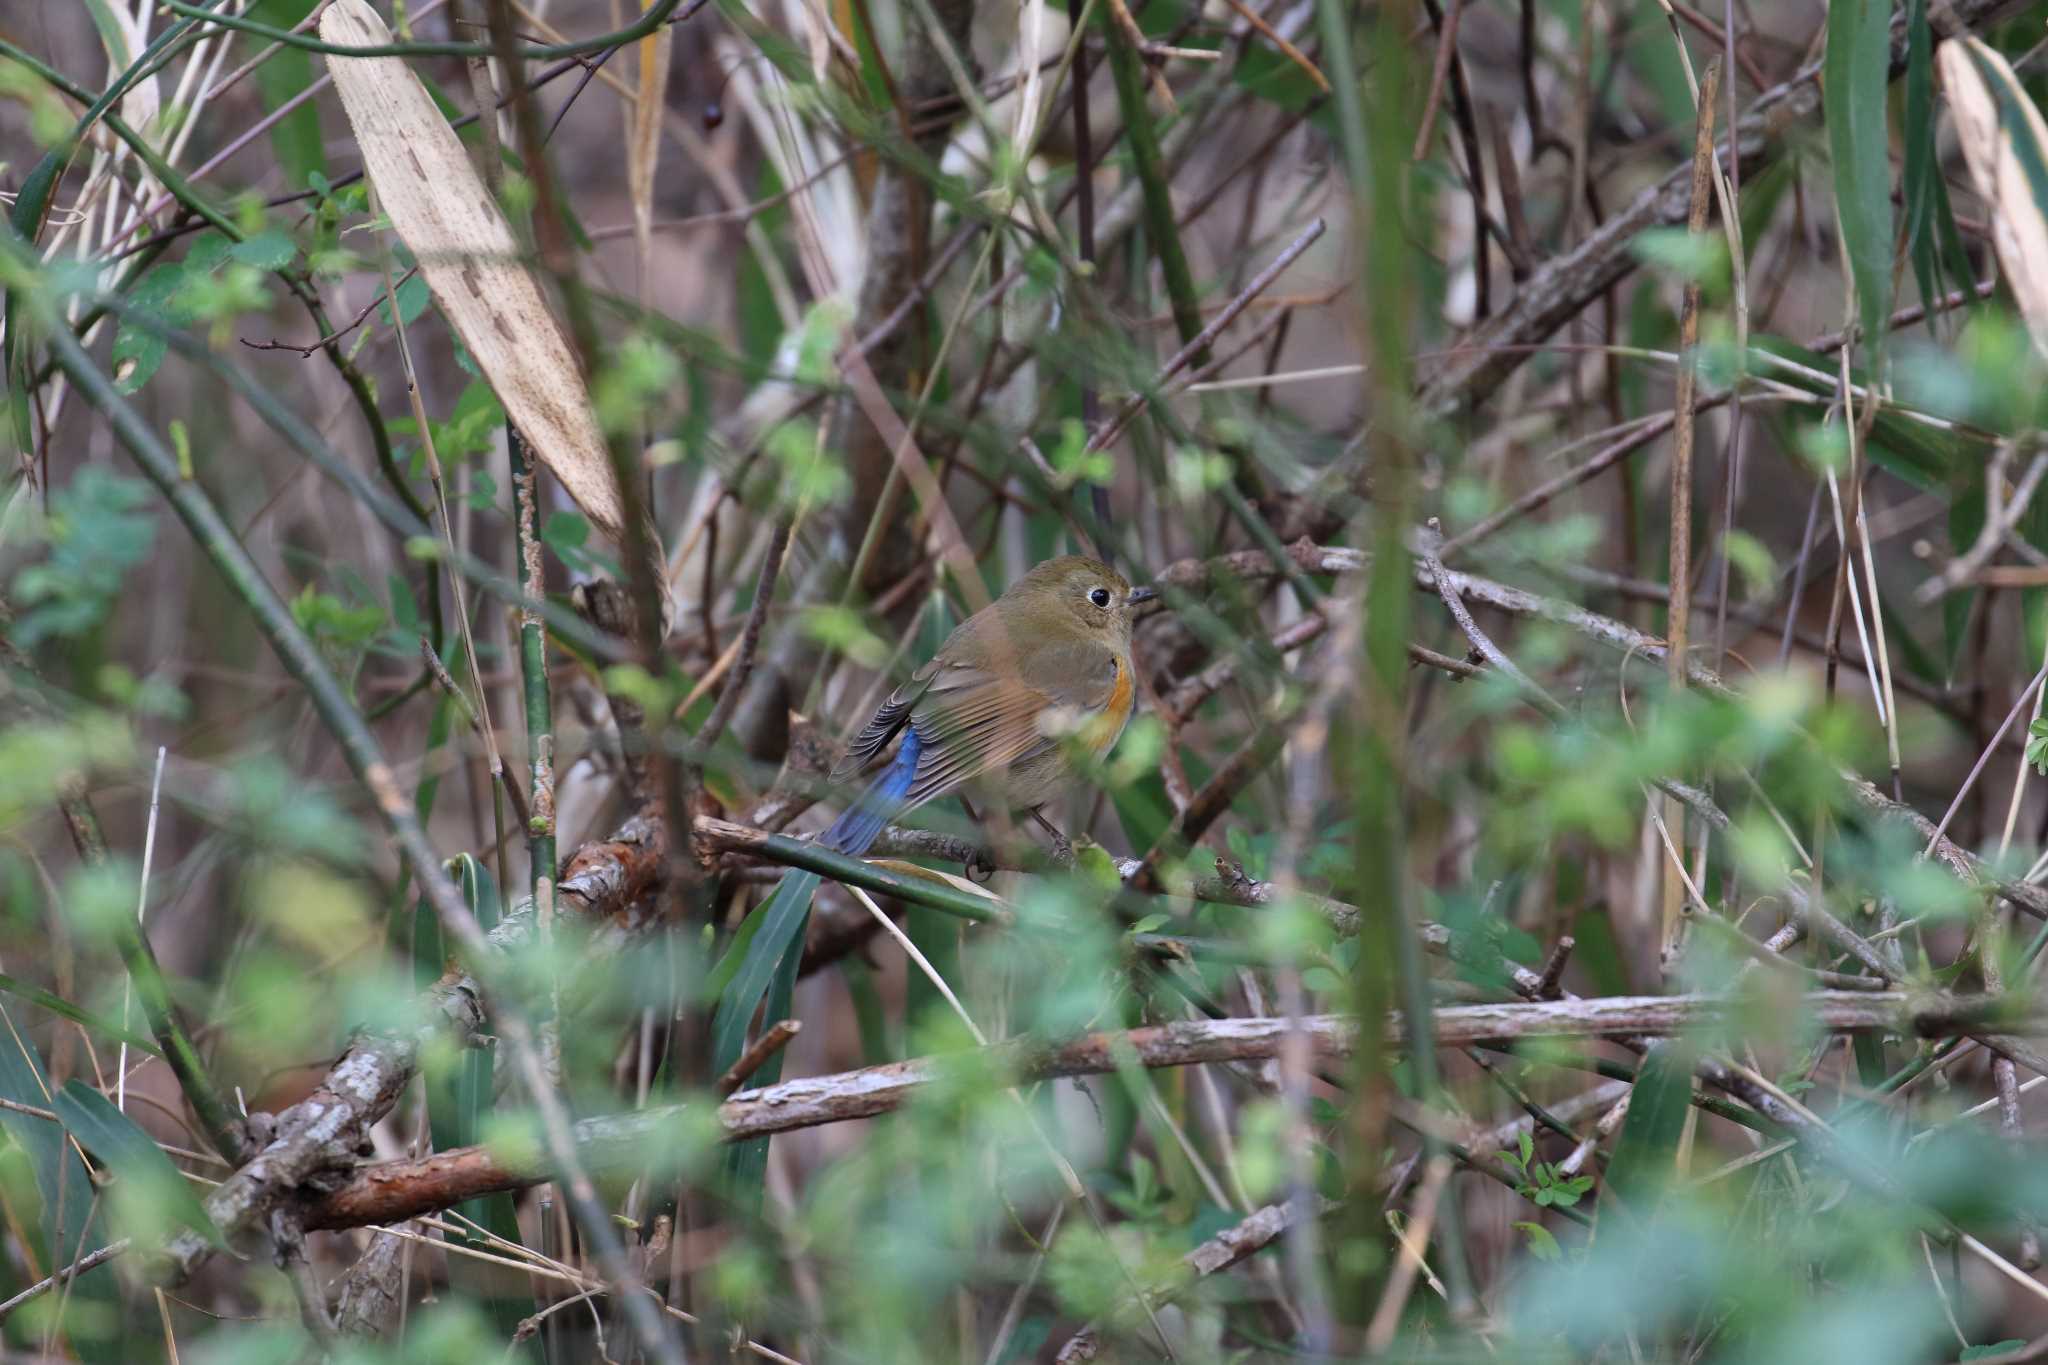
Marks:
<point>1041,673</point>
<point>1038,674</point>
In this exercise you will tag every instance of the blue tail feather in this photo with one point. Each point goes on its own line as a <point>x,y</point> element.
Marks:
<point>853,831</point>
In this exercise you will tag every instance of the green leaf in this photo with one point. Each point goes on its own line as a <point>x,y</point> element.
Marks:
<point>568,535</point>
<point>98,530</point>
<point>138,355</point>
<point>132,1157</point>
<point>112,36</point>
<point>1701,259</point>
<point>66,1230</point>
<point>1900,445</point>
<point>1542,1244</point>
<point>1645,1157</point>
<point>1143,810</point>
<point>1933,243</point>
<point>269,249</point>
<point>1854,75</point>
<point>31,202</point>
<point>772,952</point>
<point>1273,76</point>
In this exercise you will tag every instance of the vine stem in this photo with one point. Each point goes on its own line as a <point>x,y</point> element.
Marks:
<point>533,670</point>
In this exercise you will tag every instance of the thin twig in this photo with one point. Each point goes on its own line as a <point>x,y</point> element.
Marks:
<point>772,1040</point>
<point>1200,342</point>
<point>1958,572</point>
<point>749,642</point>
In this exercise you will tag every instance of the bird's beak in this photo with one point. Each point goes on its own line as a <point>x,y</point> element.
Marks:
<point>1142,595</point>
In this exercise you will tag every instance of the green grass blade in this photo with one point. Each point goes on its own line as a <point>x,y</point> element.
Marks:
<point>1854,76</point>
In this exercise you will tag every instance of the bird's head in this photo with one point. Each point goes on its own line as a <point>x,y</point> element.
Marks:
<point>1072,592</point>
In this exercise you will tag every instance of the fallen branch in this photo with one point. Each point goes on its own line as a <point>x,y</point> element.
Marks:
<point>322,1132</point>
<point>392,1191</point>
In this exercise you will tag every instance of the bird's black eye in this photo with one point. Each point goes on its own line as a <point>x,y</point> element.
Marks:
<point>1099,596</point>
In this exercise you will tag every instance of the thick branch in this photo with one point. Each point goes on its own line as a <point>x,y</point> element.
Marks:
<point>395,1190</point>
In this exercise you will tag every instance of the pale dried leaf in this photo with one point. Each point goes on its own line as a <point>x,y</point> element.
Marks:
<point>1981,87</point>
<point>121,36</point>
<point>472,262</point>
<point>643,137</point>
<point>932,874</point>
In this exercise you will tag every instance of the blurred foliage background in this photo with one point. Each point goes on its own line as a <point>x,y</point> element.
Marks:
<point>1602,630</point>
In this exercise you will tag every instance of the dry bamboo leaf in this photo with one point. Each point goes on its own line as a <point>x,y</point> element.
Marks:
<point>643,140</point>
<point>472,262</point>
<point>932,874</point>
<point>2006,144</point>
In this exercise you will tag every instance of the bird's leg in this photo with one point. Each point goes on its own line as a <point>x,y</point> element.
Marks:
<point>1062,847</point>
<point>981,869</point>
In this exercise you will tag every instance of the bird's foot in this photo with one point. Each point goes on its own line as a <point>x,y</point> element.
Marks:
<point>981,868</point>
<point>1062,847</point>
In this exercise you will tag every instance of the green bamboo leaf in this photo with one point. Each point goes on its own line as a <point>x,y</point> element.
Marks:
<point>64,1009</point>
<point>772,951</point>
<point>1646,1155</point>
<point>1920,154</point>
<point>144,1178</point>
<point>283,76</point>
<point>1854,76</point>
<point>1933,243</point>
<point>33,199</point>
<point>69,1225</point>
<point>1147,159</point>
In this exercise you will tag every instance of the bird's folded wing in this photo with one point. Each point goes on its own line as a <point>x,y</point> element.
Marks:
<point>974,721</point>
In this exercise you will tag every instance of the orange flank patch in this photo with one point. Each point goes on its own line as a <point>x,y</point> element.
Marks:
<point>1115,712</point>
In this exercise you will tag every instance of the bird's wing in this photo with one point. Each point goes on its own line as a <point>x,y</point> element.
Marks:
<point>887,720</point>
<point>975,721</point>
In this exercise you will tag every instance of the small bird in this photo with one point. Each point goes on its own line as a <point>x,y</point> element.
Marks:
<point>1038,674</point>
<point>1043,670</point>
